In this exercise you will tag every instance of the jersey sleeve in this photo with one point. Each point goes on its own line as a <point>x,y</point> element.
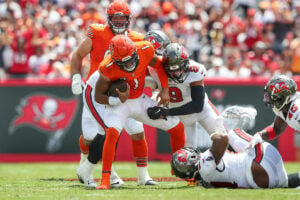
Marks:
<point>206,165</point>
<point>197,72</point>
<point>162,75</point>
<point>93,30</point>
<point>136,36</point>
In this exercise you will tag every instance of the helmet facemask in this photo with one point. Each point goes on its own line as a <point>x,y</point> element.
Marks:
<point>178,73</point>
<point>119,22</point>
<point>129,63</point>
<point>279,91</point>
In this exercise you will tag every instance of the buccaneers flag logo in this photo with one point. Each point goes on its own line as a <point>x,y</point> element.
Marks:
<point>48,114</point>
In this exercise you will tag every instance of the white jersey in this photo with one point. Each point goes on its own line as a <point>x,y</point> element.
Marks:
<point>180,94</point>
<point>293,116</point>
<point>234,169</point>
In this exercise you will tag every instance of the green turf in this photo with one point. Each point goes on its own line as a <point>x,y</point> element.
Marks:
<point>52,181</point>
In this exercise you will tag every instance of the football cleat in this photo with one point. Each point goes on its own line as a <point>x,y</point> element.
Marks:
<point>148,182</point>
<point>85,175</point>
<point>116,181</point>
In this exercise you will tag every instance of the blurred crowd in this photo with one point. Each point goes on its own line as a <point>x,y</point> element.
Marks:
<point>232,38</point>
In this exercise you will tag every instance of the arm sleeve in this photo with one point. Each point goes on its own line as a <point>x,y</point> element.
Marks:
<point>162,75</point>
<point>195,106</point>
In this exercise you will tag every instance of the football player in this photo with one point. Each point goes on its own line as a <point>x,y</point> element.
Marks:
<point>280,93</point>
<point>96,43</point>
<point>188,99</point>
<point>259,166</point>
<point>129,61</point>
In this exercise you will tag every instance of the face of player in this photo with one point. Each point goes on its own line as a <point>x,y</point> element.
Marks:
<point>129,65</point>
<point>119,23</point>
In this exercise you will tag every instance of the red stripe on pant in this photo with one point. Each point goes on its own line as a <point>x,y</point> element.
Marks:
<point>259,153</point>
<point>88,98</point>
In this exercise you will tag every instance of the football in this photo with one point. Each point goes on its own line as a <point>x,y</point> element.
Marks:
<point>120,84</point>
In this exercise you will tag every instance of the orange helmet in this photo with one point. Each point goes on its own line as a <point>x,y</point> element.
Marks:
<point>118,14</point>
<point>123,52</point>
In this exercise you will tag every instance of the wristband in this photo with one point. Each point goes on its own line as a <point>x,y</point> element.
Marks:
<point>114,101</point>
<point>271,132</point>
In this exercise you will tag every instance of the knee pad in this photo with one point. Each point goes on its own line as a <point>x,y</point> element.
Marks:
<point>95,149</point>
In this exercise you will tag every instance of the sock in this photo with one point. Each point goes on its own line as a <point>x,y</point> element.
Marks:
<point>239,140</point>
<point>83,148</point>
<point>109,149</point>
<point>177,137</point>
<point>140,152</point>
<point>95,149</point>
<point>294,180</point>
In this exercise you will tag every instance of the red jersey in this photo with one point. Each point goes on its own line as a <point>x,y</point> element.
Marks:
<point>135,79</point>
<point>101,36</point>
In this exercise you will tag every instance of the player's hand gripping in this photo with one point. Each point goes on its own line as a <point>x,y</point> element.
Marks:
<point>77,84</point>
<point>157,112</point>
<point>123,96</point>
<point>164,97</point>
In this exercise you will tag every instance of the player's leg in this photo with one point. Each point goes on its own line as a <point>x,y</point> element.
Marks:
<point>115,121</point>
<point>90,128</point>
<point>270,159</point>
<point>136,132</point>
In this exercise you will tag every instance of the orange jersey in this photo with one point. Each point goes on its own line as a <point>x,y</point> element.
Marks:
<point>135,79</point>
<point>101,36</point>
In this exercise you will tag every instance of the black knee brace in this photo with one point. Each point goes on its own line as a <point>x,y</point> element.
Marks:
<point>294,180</point>
<point>96,148</point>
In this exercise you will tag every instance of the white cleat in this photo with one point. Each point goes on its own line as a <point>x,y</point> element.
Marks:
<point>148,182</point>
<point>116,181</point>
<point>85,175</point>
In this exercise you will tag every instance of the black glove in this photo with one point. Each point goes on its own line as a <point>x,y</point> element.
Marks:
<point>156,112</point>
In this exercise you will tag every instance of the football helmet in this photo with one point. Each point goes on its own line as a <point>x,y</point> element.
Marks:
<point>279,91</point>
<point>176,62</point>
<point>158,39</point>
<point>124,53</point>
<point>183,162</point>
<point>118,16</point>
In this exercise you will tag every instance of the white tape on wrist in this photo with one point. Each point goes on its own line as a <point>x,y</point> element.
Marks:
<point>114,101</point>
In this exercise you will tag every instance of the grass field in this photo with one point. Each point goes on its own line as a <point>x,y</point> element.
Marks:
<point>57,181</point>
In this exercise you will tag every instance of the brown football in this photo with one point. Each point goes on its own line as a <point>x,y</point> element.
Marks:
<point>120,84</point>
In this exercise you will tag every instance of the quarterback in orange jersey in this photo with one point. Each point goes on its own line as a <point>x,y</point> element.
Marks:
<point>96,43</point>
<point>129,61</point>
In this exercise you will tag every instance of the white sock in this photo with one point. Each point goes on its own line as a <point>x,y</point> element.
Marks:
<point>143,174</point>
<point>83,157</point>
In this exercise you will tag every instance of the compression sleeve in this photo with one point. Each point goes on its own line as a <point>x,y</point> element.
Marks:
<point>195,106</point>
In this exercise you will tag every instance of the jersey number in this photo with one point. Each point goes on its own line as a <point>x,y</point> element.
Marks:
<point>175,95</point>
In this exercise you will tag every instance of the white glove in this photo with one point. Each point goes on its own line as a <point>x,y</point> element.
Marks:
<point>77,84</point>
<point>256,139</point>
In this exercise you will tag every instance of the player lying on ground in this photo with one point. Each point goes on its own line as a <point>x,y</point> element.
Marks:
<point>253,166</point>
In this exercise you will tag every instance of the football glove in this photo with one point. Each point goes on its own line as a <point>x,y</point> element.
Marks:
<point>157,112</point>
<point>77,84</point>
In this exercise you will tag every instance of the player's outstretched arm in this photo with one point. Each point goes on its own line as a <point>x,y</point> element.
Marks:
<point>274,130</point>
